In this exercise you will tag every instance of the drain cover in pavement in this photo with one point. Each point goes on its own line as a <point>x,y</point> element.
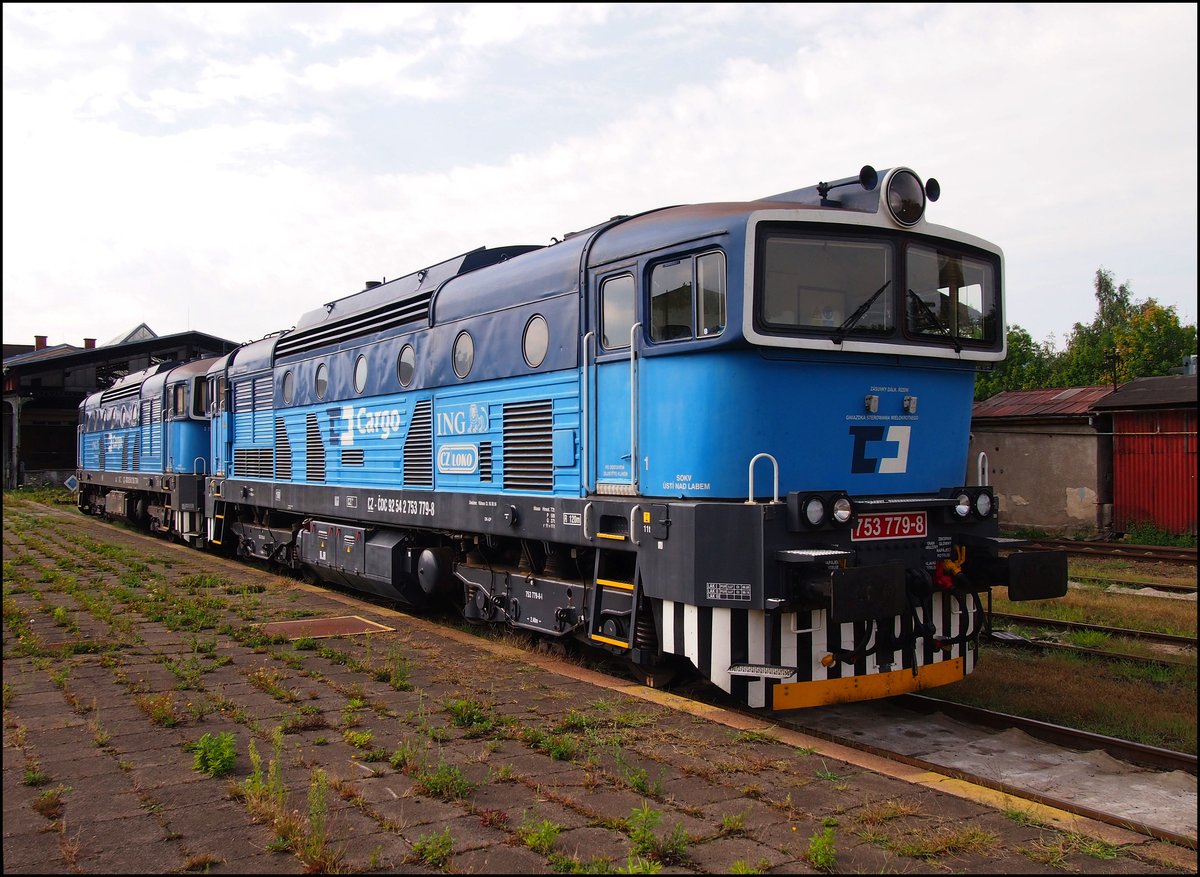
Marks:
<point>343,625</point>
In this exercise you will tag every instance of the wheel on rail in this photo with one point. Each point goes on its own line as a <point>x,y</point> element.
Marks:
<point>656,676</point>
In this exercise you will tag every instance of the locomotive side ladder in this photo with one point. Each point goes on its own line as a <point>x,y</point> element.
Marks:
<point>614,592</point>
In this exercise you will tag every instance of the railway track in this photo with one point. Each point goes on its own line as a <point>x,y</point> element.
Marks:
<point>1058,769</point>
<point>1055,624</point>
<point>1116,549</point>
<point>1135,585</point>
<point>1006,639</point>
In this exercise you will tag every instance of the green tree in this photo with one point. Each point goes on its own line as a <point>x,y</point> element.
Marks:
<point>1026,367</point>
<point>1152,342</point>
<point>1084,361</point>
<point>1124,341</point>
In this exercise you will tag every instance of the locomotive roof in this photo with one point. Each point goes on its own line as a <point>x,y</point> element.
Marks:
<point>127,386</point>
<point>666,226</point>
<point>403,300</point>
<point>536,275</point>
<point>255,356</point>
<point>178,372</point>
<point>131,385</point>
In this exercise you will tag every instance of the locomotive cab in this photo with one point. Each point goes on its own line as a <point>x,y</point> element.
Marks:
<point>841,389</point>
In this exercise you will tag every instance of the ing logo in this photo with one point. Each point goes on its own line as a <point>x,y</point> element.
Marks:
<point>879,449</point>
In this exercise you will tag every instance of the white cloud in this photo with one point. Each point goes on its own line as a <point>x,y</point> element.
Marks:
<point>281,159</point>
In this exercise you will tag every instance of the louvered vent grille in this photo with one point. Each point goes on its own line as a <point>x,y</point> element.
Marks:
<point>102,453</point>
<point>243,396</point>
<point>314,467</point>
<point>137,454</point>
<point>253,463</point>
<point>283,451</point>
<point>123,393</point>
<point>352,456</point>
<point>529,446</point>
<point>485,461</point>
<point>264,399</point>
<point>153,431</point>
<point>390,315</point>
<point>418,447</point>
<point>125,455</point>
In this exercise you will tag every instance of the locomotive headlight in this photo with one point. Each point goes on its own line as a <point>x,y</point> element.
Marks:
<point>905,197</point>
<point>983,504</point>
<point>814,511</point>
<point>963,507</point>
<point>842,509</point>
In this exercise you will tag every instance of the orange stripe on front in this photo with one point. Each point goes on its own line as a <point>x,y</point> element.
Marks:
<point>794,695</point>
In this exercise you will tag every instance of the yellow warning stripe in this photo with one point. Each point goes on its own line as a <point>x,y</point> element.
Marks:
<point>611,642</point>
<point>609,583</point>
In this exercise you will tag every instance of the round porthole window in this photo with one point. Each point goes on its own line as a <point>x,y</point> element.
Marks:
<point>322,384</point>
<point>406,365</point>
<point>464,354</point>
<point>537,340</point>
<point>289,388</point>
<point>360,374</point>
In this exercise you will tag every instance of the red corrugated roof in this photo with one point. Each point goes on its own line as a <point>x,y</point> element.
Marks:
<point>1055,402</point>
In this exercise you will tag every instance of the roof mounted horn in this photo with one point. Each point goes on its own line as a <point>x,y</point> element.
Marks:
<point>867,178</point>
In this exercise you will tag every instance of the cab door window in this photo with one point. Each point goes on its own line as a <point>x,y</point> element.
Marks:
<point>616,311</point>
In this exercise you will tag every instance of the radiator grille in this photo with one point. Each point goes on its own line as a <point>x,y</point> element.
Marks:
<point>485,461</point>
<point>137,454</point>
<point>529,446</point>
<point>314,464</point>
<point>283,451</point>
<point>418,447</point>
<point>352,456</point>
<point>253,462</point>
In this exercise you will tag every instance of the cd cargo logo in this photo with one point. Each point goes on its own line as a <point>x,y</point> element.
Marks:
<point>880,449</point>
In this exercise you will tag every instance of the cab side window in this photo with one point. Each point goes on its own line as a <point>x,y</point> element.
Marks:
<point>616,311</point>
<point>199,402</point>
<point>687,298</point>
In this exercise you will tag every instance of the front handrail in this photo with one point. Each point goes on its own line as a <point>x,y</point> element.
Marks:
<point>775,464</point>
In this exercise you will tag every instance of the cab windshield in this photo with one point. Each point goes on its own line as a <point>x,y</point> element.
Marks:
<point>822,283</point>
<point>875,288</point>
<point>949,295</point>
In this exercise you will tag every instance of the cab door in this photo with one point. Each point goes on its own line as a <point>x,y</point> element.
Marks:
<point>614,424</point>
<point>220,437</point>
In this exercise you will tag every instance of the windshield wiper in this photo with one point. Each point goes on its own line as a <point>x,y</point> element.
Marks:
<point>848,323</point>
<point>935,320</point>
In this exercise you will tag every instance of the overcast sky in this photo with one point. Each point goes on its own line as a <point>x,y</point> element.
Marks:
<point>227,168</point>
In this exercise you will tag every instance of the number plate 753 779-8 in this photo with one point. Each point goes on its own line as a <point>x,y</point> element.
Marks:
<point>894,525</point>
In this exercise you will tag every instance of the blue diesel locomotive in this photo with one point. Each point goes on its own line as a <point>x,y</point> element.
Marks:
<point>732,436</point>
